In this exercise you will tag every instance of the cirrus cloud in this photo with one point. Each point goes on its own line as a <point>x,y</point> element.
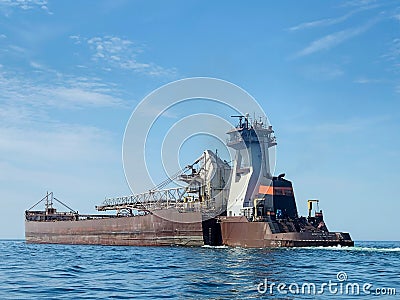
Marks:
<point>115,52</point>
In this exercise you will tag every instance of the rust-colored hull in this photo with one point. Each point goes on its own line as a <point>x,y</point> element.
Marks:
<point>163,228</point>
<point>239,232</point>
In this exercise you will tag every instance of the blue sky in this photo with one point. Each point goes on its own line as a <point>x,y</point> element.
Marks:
<point>327,73</point>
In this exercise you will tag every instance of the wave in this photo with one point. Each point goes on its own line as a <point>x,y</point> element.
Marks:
<point>329,248</point>
<point>215,247</point>
<point>355,248</point>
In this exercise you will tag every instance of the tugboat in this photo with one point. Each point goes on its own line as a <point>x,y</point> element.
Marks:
<point>238,206</point>
<point>261,209</point>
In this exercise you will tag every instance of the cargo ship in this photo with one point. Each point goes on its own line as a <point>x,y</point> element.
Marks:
<point>238,204</point>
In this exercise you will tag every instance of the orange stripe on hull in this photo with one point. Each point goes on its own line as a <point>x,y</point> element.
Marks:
<point>269,190</point>
<point>266,190</point>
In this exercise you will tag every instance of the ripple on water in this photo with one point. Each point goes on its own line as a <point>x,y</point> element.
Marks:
<point>95,272</point>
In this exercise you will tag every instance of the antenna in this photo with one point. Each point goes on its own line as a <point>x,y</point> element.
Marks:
<point>240,119</point>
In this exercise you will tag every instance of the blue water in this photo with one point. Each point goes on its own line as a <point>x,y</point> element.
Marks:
<point>107,272</point>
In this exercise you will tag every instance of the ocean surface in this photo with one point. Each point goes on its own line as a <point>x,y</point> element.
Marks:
<point>106,272</point>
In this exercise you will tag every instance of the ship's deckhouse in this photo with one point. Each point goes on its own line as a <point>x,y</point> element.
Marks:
<point>251,168</point>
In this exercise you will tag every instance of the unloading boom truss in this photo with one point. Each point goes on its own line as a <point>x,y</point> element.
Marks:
<point>202,191</point>
<point>165,198</point>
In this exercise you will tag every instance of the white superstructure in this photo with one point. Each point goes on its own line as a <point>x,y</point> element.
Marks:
<point>251,165</point>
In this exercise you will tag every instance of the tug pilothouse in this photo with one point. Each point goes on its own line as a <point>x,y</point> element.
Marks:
<point>251,168</point>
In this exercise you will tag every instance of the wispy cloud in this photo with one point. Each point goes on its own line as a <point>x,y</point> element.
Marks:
<point>63,92</point>
<point>53,143</point>
<point>392,56</point>
<point>322,22</point>
<point>347,126</point>
<point>36,65</point>
<point>14,114</point>
<point>10,50</point>
<point>393,53</point>
<point>115,52</point>
<point>75,97</point>
<point>364,80</point>
<point>329,41</point>
<point>358,3</point>
<point>367,5</point>
<point>25,5</point>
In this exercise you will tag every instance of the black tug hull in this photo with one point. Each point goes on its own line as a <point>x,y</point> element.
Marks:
<point>239,232</point>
